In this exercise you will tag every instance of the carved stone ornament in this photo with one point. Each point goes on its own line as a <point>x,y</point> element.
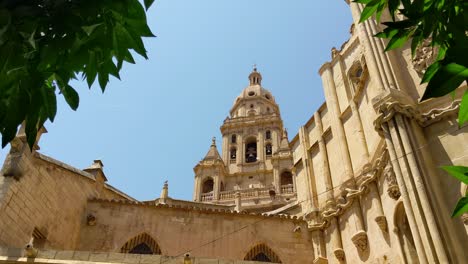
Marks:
<point>360,240</point>
<point>424,56</point>
<point>339,254</point>
<point>320,260</point>
<point>464,217</point>
<point>91,220</point>
<point>381,222</point>
<point>393,190</point>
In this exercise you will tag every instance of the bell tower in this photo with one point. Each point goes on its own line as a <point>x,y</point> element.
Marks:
<point>255,152</point>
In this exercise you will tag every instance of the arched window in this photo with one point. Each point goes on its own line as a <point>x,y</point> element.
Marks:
<point>233,138</point>
<point>233,153</point>
<point>405,237</point>
<point>268,134</point>
<point>251,151</point>
<point>286,178</point>
<point>268,149</point>
<point>262,253</point>
<point>141,244</point>
<point>208,185</point>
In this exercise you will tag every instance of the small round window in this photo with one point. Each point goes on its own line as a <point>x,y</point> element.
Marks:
<point>251,106</point>
<point>267,96</point>
<point>251,93</point>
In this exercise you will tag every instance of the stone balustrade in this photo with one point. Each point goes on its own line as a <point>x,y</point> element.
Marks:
<point>253,192</point>
<point>205,197</point>
<point>288,188</point>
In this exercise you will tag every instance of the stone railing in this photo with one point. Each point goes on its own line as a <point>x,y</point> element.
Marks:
<point>205,197</point>
<point>253,192</point>
<point>288,188</point>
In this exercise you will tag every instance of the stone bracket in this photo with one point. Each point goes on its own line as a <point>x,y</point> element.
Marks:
<point>360,240</point>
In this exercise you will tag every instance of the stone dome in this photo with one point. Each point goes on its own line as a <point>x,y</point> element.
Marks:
<point>258,99</point>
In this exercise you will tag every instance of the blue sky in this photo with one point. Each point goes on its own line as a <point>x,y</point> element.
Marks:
<point>157,122</point>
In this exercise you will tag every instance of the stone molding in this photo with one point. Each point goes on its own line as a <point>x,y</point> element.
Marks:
<point>388,110</point>
<point>338,207</point>
<point>295,219</point>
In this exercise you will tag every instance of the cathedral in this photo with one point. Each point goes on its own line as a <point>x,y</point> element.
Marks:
<point>360,182</point>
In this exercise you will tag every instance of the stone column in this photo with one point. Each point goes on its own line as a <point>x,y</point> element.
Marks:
<point>260,146</point>
<point>360,236</point>
<point>238,202</point>
<point>276,178</point>
<point>196,191</point>
<point>226,150</point>
<point>378,61</point>
<point>420,188</point>
<point>390,133</point>
<point>312,190</point>
<point>334,229</point>
<point>216,188</point>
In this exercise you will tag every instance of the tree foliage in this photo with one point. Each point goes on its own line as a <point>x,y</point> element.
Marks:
<point>445,23</point>
<point>44,44</point>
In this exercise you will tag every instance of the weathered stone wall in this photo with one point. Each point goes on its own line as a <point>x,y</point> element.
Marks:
<point>205,233</point>
<point>46,196</point>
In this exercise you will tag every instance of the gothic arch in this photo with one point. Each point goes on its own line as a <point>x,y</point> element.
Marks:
<point>286,177</point>
<point>208,185</point>
<point>141,244</point>
<point>405,236</point>
<point>262,253</point>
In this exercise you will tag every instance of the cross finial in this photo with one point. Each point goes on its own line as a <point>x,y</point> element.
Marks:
<point>213,141</point>
<point>255,67</point>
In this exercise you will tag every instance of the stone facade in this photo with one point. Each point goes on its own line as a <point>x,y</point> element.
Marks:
<point>359,183</point>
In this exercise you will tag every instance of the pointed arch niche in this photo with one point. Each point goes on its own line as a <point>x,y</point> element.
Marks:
<point>141,244</point>
<point>405,237</point>
<point>262,253</point>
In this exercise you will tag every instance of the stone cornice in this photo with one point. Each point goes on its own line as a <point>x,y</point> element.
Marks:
<point>388,110</point>
<point>338,207</point>
<point>188,208</point>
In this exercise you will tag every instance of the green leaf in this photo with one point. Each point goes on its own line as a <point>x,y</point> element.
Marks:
<point>392,7</point>
<point>461,207</point>
<point>103,79</point>
<point>369,10</point>
<point>398,40</point>
<point>387,33</point>
<point>89,29</point>
<point>463,112</point>
<point>379,11</point>
<point>459,172</point>
<point>49,100</point>
<point>148,3</point>
<point>445,80</point>
<point>71,96</point>
<point>430,71</point>
<point>90,69</point>
<point>417,38</point>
